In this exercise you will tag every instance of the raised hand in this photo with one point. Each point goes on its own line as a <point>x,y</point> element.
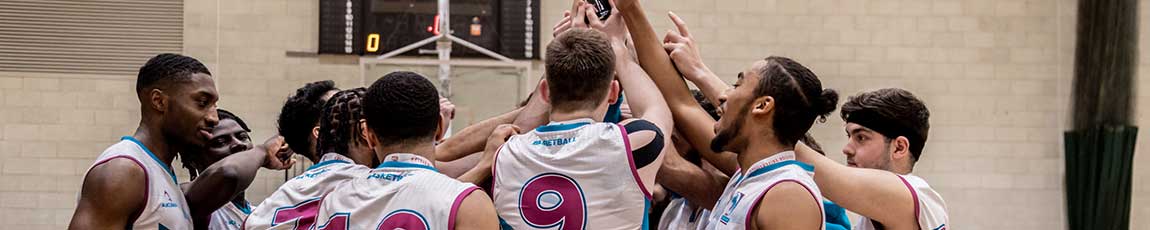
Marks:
<point>680,45</point>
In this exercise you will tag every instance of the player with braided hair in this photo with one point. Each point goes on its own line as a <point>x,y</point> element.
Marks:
<point>345,155</point>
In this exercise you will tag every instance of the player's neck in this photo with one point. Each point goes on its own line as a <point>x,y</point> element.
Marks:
<point>758,150</point>
<point>425,150</point>
<point>156,143</point>
<point>573,115</point>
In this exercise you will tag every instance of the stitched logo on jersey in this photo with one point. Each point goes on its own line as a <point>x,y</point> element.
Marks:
<point>170,203</point>
<point>552,199</point>
<point>554,142</point>
<point>312,175</point>
<point>726,217</point>
<point>388,176</point>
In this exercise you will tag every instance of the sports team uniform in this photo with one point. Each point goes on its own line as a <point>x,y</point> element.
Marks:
<point>165,206</point>
<point>681,214</point>
<point>577,174</point>
<point>404,192</point>
<point>745,190</point>
<point>295,204</point>
<point>230,216</point>
<point>930,209</point>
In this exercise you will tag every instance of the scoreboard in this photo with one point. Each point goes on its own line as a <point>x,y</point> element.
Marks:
<point>374,27</point>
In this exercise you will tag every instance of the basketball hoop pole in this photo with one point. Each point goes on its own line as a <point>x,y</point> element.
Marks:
<point>443,42</point>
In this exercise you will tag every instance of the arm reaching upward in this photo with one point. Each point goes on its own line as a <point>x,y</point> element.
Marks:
<point>691,119</point>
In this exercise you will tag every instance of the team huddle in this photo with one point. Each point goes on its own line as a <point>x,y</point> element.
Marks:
<point>611,138</point>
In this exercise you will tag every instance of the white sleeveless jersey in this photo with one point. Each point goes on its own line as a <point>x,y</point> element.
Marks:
<point>930,209</point>
<point>230,216</point>
<point>165,206</point>
<point>577,175</point>
<point>295,203</point>
<point>396,195</point>
<point>745,190</point>
<point>681,214</point>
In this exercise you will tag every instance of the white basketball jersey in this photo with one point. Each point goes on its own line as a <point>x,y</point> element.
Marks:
<point>571,175</point>
<point>681,214</point>
<point>399,194</point>
<point>230,216</point>
<point>166,207</point>
<point>295,203</point>
<point>745,190</point>
<point>930,209</point>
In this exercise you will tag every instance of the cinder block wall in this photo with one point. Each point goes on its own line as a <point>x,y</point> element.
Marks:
<point>996,75</point>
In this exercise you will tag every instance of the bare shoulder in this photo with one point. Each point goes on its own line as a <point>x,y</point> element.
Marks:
<point>476,211</point>
<point>791,206</point>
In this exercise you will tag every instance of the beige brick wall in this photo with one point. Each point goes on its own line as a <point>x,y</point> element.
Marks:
<point>995,73</point>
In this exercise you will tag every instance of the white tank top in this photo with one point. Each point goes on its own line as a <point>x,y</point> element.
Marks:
<point>404,192</point>
<point>745,190</point>
<point>681,215</point>
<point>577,174</point>
<point>295,203</point>
<point>930,209</point>
<point>165,206</point>
<point>230,216</point>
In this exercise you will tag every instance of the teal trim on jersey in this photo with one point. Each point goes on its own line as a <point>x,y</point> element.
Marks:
<point>244,207</point>
<point>150,154</point>
<point>835,216</point>
<point>162,227</point>
<point>940,227</point>
<point>646,214</point>
<point>560,127</point>
<point>323,163</point>
<point>397,164</point>
<point>503,225</point>
<point>780,165</point>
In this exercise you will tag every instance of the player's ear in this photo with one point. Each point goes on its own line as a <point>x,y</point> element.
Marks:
<point>158,100</point>
<point>315,132</point>
<point>368,134</point>
<point>440,129</point>
<point>613,95</point>
<point>900,147</point>
<point>763,105</point>
<point>545,91</point>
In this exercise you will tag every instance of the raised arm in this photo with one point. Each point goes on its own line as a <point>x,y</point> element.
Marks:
<point>685,54</point>
<point>471,139</point>
<point>494,141</point>
<point>112,193</point>
<point>691,120</point>
<point>876,194</point>
<point>225,179</point>
<point>691,181</point>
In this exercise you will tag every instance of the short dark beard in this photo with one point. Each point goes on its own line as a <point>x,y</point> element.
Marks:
<point>726,136</point>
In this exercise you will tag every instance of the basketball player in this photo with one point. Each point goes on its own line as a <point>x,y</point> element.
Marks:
<point>405,191</point>
<point>132,185</point>
<point>346,155</point>
<point>229,138</point>
<point>298,120</point>
<point>578,172</point>
<point>763,122</point>
<point>887,130</point>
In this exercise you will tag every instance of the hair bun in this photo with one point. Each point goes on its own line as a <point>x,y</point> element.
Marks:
<point>826,103</point>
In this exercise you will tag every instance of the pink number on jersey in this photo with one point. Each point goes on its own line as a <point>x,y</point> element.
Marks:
<point>304,214</point>
<point>552,199</point>
<point>403,219</point>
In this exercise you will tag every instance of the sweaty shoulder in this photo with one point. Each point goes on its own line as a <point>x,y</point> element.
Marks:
<point>646,140</point>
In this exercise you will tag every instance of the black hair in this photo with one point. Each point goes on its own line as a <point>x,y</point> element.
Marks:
<point>300,114</point>
<point>228,115</point>
<point>706,104</point>
<point>891,112</point>
<point>402,108</point>
<point>339,124</point>
<point>799,97</point>
<point>166,68</point>
<point>580,67</point>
